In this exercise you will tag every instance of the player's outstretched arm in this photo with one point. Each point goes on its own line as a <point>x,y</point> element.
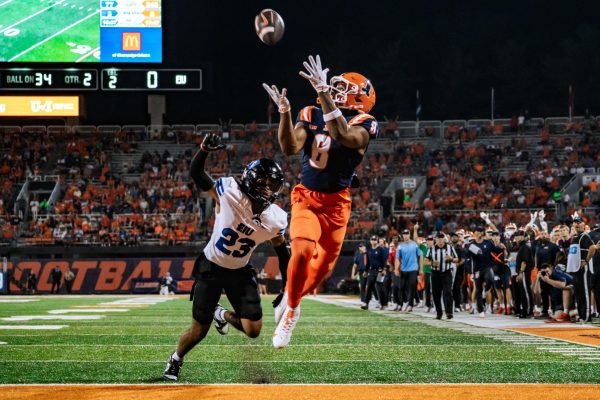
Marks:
<point>283,255</point>
<point>354,137</point>
<point>291,139</point>
<point>198,173</point>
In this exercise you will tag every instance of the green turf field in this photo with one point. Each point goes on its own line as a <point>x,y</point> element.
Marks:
<point>331,344</point>
<point>49,30</point>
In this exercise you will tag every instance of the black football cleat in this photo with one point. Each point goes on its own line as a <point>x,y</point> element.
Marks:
<point>173,368</point>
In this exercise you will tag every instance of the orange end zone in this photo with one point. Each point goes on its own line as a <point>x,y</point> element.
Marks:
<point>588,336</point>
<point>301,392</point>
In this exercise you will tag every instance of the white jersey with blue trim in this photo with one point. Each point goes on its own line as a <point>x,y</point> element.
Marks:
<point>237,231</point>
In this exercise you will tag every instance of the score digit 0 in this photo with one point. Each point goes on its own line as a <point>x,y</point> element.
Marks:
<point>152,79</point>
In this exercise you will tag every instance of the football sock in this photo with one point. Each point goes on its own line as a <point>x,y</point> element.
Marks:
<point>176,357</point>
<point>302,252</point>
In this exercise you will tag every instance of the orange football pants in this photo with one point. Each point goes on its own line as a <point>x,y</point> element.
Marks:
<point>317,229</point>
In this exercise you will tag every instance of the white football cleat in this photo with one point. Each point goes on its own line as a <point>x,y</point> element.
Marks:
<point>280,309</point>
<point>220,324</point>
<point>481,314</point>
<point>283,332</point>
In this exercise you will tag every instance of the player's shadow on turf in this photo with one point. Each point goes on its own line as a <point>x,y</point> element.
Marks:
<point>155,379</point>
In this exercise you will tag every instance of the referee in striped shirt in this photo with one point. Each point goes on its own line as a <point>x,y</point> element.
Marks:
<point>441,257</point>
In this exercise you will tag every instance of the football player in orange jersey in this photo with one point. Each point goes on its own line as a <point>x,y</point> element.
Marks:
<point>333,138</point>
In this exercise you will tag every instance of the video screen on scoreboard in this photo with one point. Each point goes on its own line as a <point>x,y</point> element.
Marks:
<point>124,31</point>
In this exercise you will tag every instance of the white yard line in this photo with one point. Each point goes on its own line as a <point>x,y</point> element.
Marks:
<point>83,57</point>
<point>257,345</point>
<point>89,310</point>
<point>6,2</point>
<point>53,36</point>
<point>29,17</point>
<point>566,341</point>
<point>345,361</point>
<point>32,327</point>
<point>177,334</point>
<point>17,300</point>
<point>140,300</point>
<point>492,328</point>
<point>52,317</point>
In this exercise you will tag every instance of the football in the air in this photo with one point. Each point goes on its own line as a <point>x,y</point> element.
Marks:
<point>269,26</point>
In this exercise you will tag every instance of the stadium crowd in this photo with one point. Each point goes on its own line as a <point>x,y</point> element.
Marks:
<point>152,200</point>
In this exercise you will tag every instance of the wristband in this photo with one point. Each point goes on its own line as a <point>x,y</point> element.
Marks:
<point>332,115</point>
<point>322,88</point>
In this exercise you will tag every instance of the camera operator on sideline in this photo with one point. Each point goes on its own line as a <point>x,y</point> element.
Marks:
<point>562,290</point>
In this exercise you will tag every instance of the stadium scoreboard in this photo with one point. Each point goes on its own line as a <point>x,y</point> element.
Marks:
<point>109,79</point>
<point>151,79</point>
<point>56,79</point>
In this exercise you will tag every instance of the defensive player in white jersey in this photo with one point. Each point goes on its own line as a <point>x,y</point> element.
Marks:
<point>245,217</point>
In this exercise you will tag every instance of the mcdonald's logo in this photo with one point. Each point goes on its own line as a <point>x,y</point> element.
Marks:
<point>132,41</point>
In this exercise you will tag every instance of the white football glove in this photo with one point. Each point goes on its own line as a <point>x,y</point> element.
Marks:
<point>534,217</point>
<point>542,215</point>
<point>317,76</point>
<point>279,99</point>
<point>485,217</point>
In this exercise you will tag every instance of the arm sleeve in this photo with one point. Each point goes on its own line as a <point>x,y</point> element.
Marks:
<point>197,172</point>
<point>283,256</point>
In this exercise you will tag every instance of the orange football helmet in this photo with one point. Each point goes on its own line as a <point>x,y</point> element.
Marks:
<point>353,91</point>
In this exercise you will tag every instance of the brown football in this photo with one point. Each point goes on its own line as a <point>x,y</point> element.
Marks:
<point>269,26</point>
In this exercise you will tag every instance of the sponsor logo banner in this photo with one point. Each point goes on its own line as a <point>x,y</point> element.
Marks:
<point>118,275</point>
<point>35,106</point>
